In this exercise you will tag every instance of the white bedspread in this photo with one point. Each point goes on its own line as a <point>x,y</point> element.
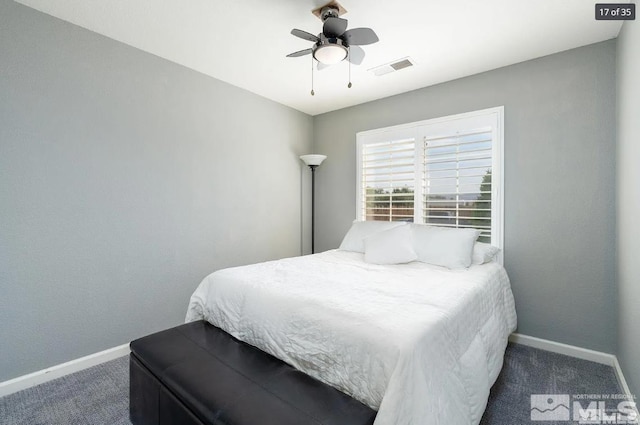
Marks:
<point>421,344</point>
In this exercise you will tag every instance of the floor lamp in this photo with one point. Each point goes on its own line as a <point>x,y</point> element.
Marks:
<point>313,161</point>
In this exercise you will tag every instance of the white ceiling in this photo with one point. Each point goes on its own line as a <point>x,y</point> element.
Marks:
<point>244,42</point>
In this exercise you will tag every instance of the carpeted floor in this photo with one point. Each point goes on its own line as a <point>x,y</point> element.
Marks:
<point>100,395</point>
<point>528,371</point>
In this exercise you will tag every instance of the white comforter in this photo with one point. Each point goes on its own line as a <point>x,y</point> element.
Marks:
<point>421,344</point>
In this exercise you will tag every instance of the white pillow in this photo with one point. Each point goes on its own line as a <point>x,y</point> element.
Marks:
<point>393,246</point>
<point>442,246</point>
<point>354,239</point>
<point>483,253</point>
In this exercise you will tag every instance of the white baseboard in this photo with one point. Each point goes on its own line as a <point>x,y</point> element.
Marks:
<point>40,377</point>
<point>623,383</point>
<point>567,350</point>
<point>581,353</point>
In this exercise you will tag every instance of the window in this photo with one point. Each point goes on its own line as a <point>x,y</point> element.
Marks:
<point>388,180</point>
<point>444,172</point>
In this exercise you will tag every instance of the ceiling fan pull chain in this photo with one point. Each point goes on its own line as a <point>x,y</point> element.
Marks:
<point>312,92</point>
<point>349,60</point>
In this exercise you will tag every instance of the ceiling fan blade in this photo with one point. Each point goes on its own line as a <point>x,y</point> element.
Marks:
<point>300,53</point>
<point>334,27</point>
<point>360,36</point>
<point>304,35</point>
<point>356,55</point>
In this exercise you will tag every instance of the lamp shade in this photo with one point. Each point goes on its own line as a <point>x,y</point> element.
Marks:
<point>313,160</point>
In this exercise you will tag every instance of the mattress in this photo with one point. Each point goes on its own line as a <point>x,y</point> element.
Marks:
<point>421,344</point>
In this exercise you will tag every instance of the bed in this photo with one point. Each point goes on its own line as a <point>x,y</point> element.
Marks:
<point>419,343</point>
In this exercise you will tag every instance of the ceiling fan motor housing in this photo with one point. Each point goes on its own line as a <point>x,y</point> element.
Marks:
<point>329,12</point>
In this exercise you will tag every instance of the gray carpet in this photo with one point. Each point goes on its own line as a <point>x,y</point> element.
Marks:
<point>95,396</point>
<point>100,395</point>
<point>528,371</point>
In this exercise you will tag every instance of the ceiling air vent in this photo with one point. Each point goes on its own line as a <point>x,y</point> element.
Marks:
<point>396,65</point>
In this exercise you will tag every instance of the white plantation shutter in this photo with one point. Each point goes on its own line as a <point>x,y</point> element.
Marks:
<point>388,180</point>
<point>457,180</point>
<point>443,172</point>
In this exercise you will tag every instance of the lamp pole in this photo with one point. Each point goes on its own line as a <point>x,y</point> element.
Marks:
<point>313,207</point>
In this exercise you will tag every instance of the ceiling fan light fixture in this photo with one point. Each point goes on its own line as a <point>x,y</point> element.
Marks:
<point>330,54</point>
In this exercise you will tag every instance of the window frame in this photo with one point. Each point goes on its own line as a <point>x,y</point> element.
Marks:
<point>419,130</point>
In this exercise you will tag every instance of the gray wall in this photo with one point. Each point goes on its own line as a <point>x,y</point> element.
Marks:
<point>628,189</point>
<point>559,178</point>
<point>124,180</point>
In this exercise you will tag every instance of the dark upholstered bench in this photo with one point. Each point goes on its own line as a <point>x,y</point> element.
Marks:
<point>198,374</point>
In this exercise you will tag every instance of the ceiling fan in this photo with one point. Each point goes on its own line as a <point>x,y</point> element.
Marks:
<point>335,43</point>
